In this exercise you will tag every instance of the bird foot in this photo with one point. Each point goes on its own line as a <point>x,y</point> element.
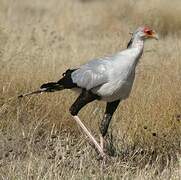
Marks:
<point>106,144</point>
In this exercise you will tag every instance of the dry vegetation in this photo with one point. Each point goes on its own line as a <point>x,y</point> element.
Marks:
<point>39,40</point>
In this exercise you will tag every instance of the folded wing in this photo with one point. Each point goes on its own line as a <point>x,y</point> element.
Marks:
<point>92,74</point>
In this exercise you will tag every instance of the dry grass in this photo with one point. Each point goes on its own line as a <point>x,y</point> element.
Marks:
<point>38,41</point>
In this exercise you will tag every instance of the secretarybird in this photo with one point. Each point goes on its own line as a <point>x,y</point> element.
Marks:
<point>109,79</point>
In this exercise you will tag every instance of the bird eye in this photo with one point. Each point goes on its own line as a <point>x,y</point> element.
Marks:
<point>149,32</point>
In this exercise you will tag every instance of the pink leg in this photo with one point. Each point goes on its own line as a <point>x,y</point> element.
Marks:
<point>99,148</point>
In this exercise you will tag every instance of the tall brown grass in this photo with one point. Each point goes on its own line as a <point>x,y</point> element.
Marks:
<point>39,40</point>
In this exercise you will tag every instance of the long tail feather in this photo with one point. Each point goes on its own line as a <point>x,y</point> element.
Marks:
<point>48,87</point>
<point>52,86</point>
<point>31,93</point>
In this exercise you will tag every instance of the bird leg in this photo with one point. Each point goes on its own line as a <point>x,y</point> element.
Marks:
<point>77,119</point>
<point>84,98</point>
<point>110,109</point>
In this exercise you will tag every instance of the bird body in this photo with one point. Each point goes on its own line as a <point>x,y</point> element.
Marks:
<point>110,77</point>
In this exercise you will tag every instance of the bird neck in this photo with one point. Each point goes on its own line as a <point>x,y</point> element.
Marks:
<point>136,42</point>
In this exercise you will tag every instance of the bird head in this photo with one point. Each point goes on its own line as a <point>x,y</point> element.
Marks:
<point>145,32</point>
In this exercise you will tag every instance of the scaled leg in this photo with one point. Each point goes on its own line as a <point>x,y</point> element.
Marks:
<point>84,98</point>
<point>110,109</point>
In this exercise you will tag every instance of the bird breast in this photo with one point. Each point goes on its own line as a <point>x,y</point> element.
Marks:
<point>121,78</point>
<point>116,89</point>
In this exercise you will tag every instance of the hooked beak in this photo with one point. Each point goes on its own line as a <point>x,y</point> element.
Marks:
<point>154,35</point>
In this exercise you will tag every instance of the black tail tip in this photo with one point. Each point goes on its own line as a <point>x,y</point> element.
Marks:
<point>48,85</point>
<point>43,86</point>
<point>20,96</point>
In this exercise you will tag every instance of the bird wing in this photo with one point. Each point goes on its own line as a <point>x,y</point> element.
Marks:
<point>92,74</point>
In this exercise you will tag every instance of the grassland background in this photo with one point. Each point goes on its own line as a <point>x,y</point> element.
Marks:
<point>39,40</point>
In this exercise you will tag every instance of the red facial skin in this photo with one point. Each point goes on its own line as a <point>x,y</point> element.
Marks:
<point>148,31</point>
